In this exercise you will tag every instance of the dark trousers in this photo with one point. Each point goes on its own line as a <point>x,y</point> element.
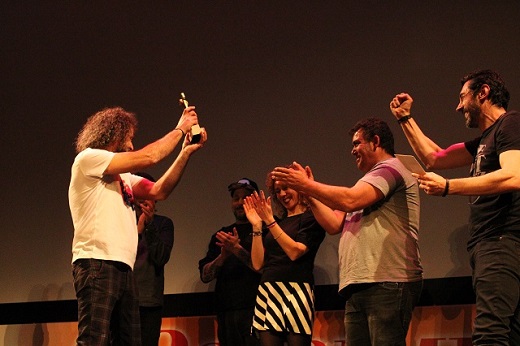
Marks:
<point>496,281</point>
<point>108,306</point>
<point>234,328</point>
<point>151,319</point>
<point>378,314</point>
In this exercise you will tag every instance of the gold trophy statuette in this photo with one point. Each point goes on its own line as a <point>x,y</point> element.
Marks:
<point>195,129</point>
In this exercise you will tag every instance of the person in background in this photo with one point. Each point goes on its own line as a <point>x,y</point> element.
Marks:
<point>284,310</point>
<point>102,193</point>
<point>156,234</point>
<point>380,271</point>
<point>228,260</point>
<point>494,202</point>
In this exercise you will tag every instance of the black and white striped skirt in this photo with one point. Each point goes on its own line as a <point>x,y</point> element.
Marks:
<point>284,307</point>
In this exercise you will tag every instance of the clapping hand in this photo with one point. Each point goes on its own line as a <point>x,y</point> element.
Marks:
<point>227,241</point>
<point>261,206</point>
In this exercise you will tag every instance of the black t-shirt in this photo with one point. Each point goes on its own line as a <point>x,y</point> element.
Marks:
<point>237,284</point>
<point>278,266</point>
<point>494,215</point>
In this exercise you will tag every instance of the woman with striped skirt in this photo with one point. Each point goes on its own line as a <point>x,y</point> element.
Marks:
<point>285,300</point>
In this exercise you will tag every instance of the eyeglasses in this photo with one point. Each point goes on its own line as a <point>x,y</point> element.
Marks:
<point>128,198</point>
<point>463,95</point>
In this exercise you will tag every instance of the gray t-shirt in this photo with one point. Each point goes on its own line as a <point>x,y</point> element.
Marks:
<point>380,242</point>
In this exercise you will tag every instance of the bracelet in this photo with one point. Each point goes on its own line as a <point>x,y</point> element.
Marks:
<point>446,188</point>
<point>256,233</point>
<point>404,119</point>
<point>279,235</point>
<point>271,224</point>
<point>178,128</point>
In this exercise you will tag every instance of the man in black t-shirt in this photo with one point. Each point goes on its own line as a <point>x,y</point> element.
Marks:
<point>494,190</point>
<point>228,260</point>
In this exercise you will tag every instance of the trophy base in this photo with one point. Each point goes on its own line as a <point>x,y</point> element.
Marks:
<point>195,134</point>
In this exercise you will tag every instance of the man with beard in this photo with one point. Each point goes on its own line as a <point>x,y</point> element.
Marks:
<point>494,190</point>
<point>229,261</point>
<point>380,271</point>
<point>101,199</point>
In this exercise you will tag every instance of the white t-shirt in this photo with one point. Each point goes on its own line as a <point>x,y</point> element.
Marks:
<point>104,225</point>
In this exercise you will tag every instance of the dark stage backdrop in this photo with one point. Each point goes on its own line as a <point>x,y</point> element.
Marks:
<point>273,82</point>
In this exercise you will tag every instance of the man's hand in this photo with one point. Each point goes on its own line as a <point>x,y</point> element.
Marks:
<point>147,211</point>
<point>293,177</point>
<point>228,241</point>
<point>308,170</point>
<point>189,147</point>
<point>187,119</point>
<point>401,105</point>
<point>431,183</point>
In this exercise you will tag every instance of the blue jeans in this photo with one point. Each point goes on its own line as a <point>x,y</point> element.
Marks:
<point>496,281</point>
<point>378,314</point>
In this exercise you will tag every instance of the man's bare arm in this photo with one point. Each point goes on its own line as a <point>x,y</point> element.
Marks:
<point>151,154</point>
<point>431,154</point>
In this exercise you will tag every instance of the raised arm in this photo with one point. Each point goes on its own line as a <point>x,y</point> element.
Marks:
<point>432,155</point>
<point>257,248</point>
<point>165,185</point>
<point>151,154</point>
